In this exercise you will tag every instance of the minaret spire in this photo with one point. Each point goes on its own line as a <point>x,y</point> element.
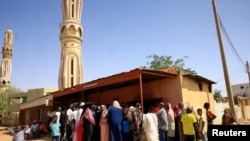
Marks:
<point>71,31</point>
<point>72,10</point>
<point>6,64</point>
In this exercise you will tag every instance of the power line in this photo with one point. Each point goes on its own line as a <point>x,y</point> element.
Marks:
<point>231,45</point>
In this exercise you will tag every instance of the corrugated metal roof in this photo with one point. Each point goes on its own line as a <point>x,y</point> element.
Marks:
<point>123,79</point>
<point>118,80</point>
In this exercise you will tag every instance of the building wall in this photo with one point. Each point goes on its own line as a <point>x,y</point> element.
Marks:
<point>14,108</point>
<point>242,108</point>
<point>36,109</point>
<point>241,90</point>
<point>170,90</point>
<point>36,93</point>
<point>190,91</point>
<point>31,94</point>
<point>38,113</point>
<point>195,96</point>
<point>14,101</point>
<point>165,88</point>
<point>220,106</point>
<point>11,120</point>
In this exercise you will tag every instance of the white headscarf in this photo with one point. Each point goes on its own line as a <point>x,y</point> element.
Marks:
<point>116,104</point>
<point>170,110</point>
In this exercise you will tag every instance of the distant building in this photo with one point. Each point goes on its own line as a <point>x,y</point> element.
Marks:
<point>241,90</point>
<point>241,94</point>
<point>14,101</point>
<point>24,107</point>
<point>242,108</point>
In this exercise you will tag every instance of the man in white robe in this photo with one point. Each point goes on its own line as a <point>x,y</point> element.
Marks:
<point>150,125</point>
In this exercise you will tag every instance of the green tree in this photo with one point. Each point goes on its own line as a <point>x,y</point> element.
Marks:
<point>163,62</point>
<point>4,92</point>
<point>217,94</point>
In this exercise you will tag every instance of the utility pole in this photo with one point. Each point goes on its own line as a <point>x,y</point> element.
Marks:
<point>248,72</point>
<point>223,58</point>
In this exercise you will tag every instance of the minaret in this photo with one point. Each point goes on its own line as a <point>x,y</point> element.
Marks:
<point>6,65</point>
<point>71,31</point>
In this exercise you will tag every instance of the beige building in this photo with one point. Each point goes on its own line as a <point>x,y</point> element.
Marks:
<point>36,109</point>
<point>241,90</point>
<point>14,101</point>
<point>242,108</point>
<point>19,102</point>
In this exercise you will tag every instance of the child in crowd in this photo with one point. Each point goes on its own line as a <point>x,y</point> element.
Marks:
<point>18,132</point>
<point>55,129</point>
<point>202,125</point>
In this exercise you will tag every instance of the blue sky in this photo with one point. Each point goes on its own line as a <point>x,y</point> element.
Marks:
<point>120,34</point>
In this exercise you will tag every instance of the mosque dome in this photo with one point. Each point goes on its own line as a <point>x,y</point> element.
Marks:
<point>9,30</point>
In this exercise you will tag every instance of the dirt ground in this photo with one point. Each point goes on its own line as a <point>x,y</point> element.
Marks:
<point>5,136</point>
<point>244,122</point>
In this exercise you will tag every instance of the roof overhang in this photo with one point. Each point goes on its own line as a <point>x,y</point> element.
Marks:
<point>198,77</point>
<point>41,101</point>
<point>123,79</point>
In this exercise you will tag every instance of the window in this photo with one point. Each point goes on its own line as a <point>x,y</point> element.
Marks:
<point>200,86</point>
<point>24,99</point>
<point>72,73</point>
<point>15,100</point>
<point>209,88</point>
<point>72,6</point>
<point>72,81</point>
<point>72,67</point>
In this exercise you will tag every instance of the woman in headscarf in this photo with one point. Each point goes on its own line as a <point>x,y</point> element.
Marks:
<point>171,122</point>
<point>104,124</point>
<point>228,117</point>
<point>137,122</point>
<point>88,123</point>
<point>78,132</point>
<point>115,117</point>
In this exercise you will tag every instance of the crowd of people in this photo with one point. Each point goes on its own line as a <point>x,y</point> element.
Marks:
<point>126,122</point>
<point>85,121</point>
<point>26,132</point>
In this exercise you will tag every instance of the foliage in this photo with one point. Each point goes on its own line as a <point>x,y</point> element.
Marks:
<point>3,106</point>
<point>163,62</point>
<point>4,92</point>
<point>14,89</point>
<point>217,94</point>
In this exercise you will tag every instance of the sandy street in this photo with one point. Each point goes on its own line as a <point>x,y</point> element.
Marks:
<point>5,136</point>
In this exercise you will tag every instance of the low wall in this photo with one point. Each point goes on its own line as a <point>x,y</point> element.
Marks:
<point>11,120</point>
